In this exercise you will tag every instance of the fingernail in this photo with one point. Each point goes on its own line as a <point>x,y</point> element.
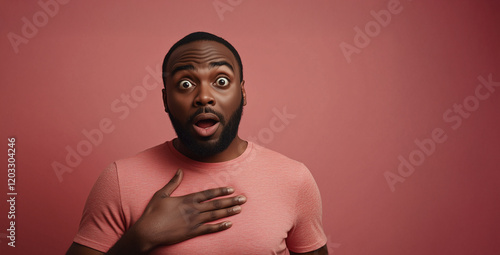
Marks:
<point>241,199</point>
<point>228,224</point>
<point>237,208</point>
<point>178,171</point>
<point>230,190</point>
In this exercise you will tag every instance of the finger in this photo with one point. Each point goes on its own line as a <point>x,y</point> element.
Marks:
<point>221,203</point>
<point>212,228</point>
<point>172,184</point>
<point>218,214</point>
<point>211,193</point>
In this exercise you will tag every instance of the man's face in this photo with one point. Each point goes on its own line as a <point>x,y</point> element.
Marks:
<point>204,97</point>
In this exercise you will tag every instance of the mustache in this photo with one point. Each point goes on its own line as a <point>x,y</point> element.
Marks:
<point>207,110</point>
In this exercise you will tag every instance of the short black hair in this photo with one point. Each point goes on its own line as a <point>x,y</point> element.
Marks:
<point>200,36</point>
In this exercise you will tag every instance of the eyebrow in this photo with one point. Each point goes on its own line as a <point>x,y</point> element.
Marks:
<point>221,63</point>
<point>211,65</point>
<point>182,68</point>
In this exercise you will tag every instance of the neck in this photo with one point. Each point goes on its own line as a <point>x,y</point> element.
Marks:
<point>234,150</point>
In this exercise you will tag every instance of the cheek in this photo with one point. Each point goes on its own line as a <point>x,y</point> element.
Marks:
<point>178,104</point>
<point>231,99</point>
<point>228,103</point>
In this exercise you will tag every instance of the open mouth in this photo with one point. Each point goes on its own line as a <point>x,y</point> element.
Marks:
<point>206,124</point>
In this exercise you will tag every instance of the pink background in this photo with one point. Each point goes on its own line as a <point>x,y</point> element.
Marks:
<point>352,120</point>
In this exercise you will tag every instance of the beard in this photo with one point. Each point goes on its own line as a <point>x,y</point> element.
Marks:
<point>204,147</point>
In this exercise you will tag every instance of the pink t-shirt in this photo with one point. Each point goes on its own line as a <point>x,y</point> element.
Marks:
<point>283,208</point>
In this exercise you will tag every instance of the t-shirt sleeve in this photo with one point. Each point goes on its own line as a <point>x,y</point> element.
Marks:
<point>102,221</point>
<point>307,232</point>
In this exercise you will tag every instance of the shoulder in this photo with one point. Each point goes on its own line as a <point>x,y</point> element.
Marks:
<point>153,164</point>
<point>274,156</point>
<point>151,159</point>
<point>152,153</point>
<point>289,169</point>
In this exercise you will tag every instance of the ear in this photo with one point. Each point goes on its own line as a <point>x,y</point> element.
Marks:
<point>243,93</point>
<point>164,94</point>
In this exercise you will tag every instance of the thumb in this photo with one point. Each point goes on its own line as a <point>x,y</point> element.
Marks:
<point>173,183</point>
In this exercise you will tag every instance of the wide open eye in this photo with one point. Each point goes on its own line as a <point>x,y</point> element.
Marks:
<point>222,82</point>
<point>185,84</point>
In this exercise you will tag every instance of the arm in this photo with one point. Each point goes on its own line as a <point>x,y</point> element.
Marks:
<point>169,220</point>
<point>321,251</point>
<point>307,232</point>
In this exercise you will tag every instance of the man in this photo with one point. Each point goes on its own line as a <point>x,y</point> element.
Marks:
<point>226,196</point>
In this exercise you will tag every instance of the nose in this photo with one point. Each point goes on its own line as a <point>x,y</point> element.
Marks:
<point>204,96</point>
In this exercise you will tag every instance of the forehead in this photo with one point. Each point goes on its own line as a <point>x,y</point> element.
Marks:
<point>201,52</point>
